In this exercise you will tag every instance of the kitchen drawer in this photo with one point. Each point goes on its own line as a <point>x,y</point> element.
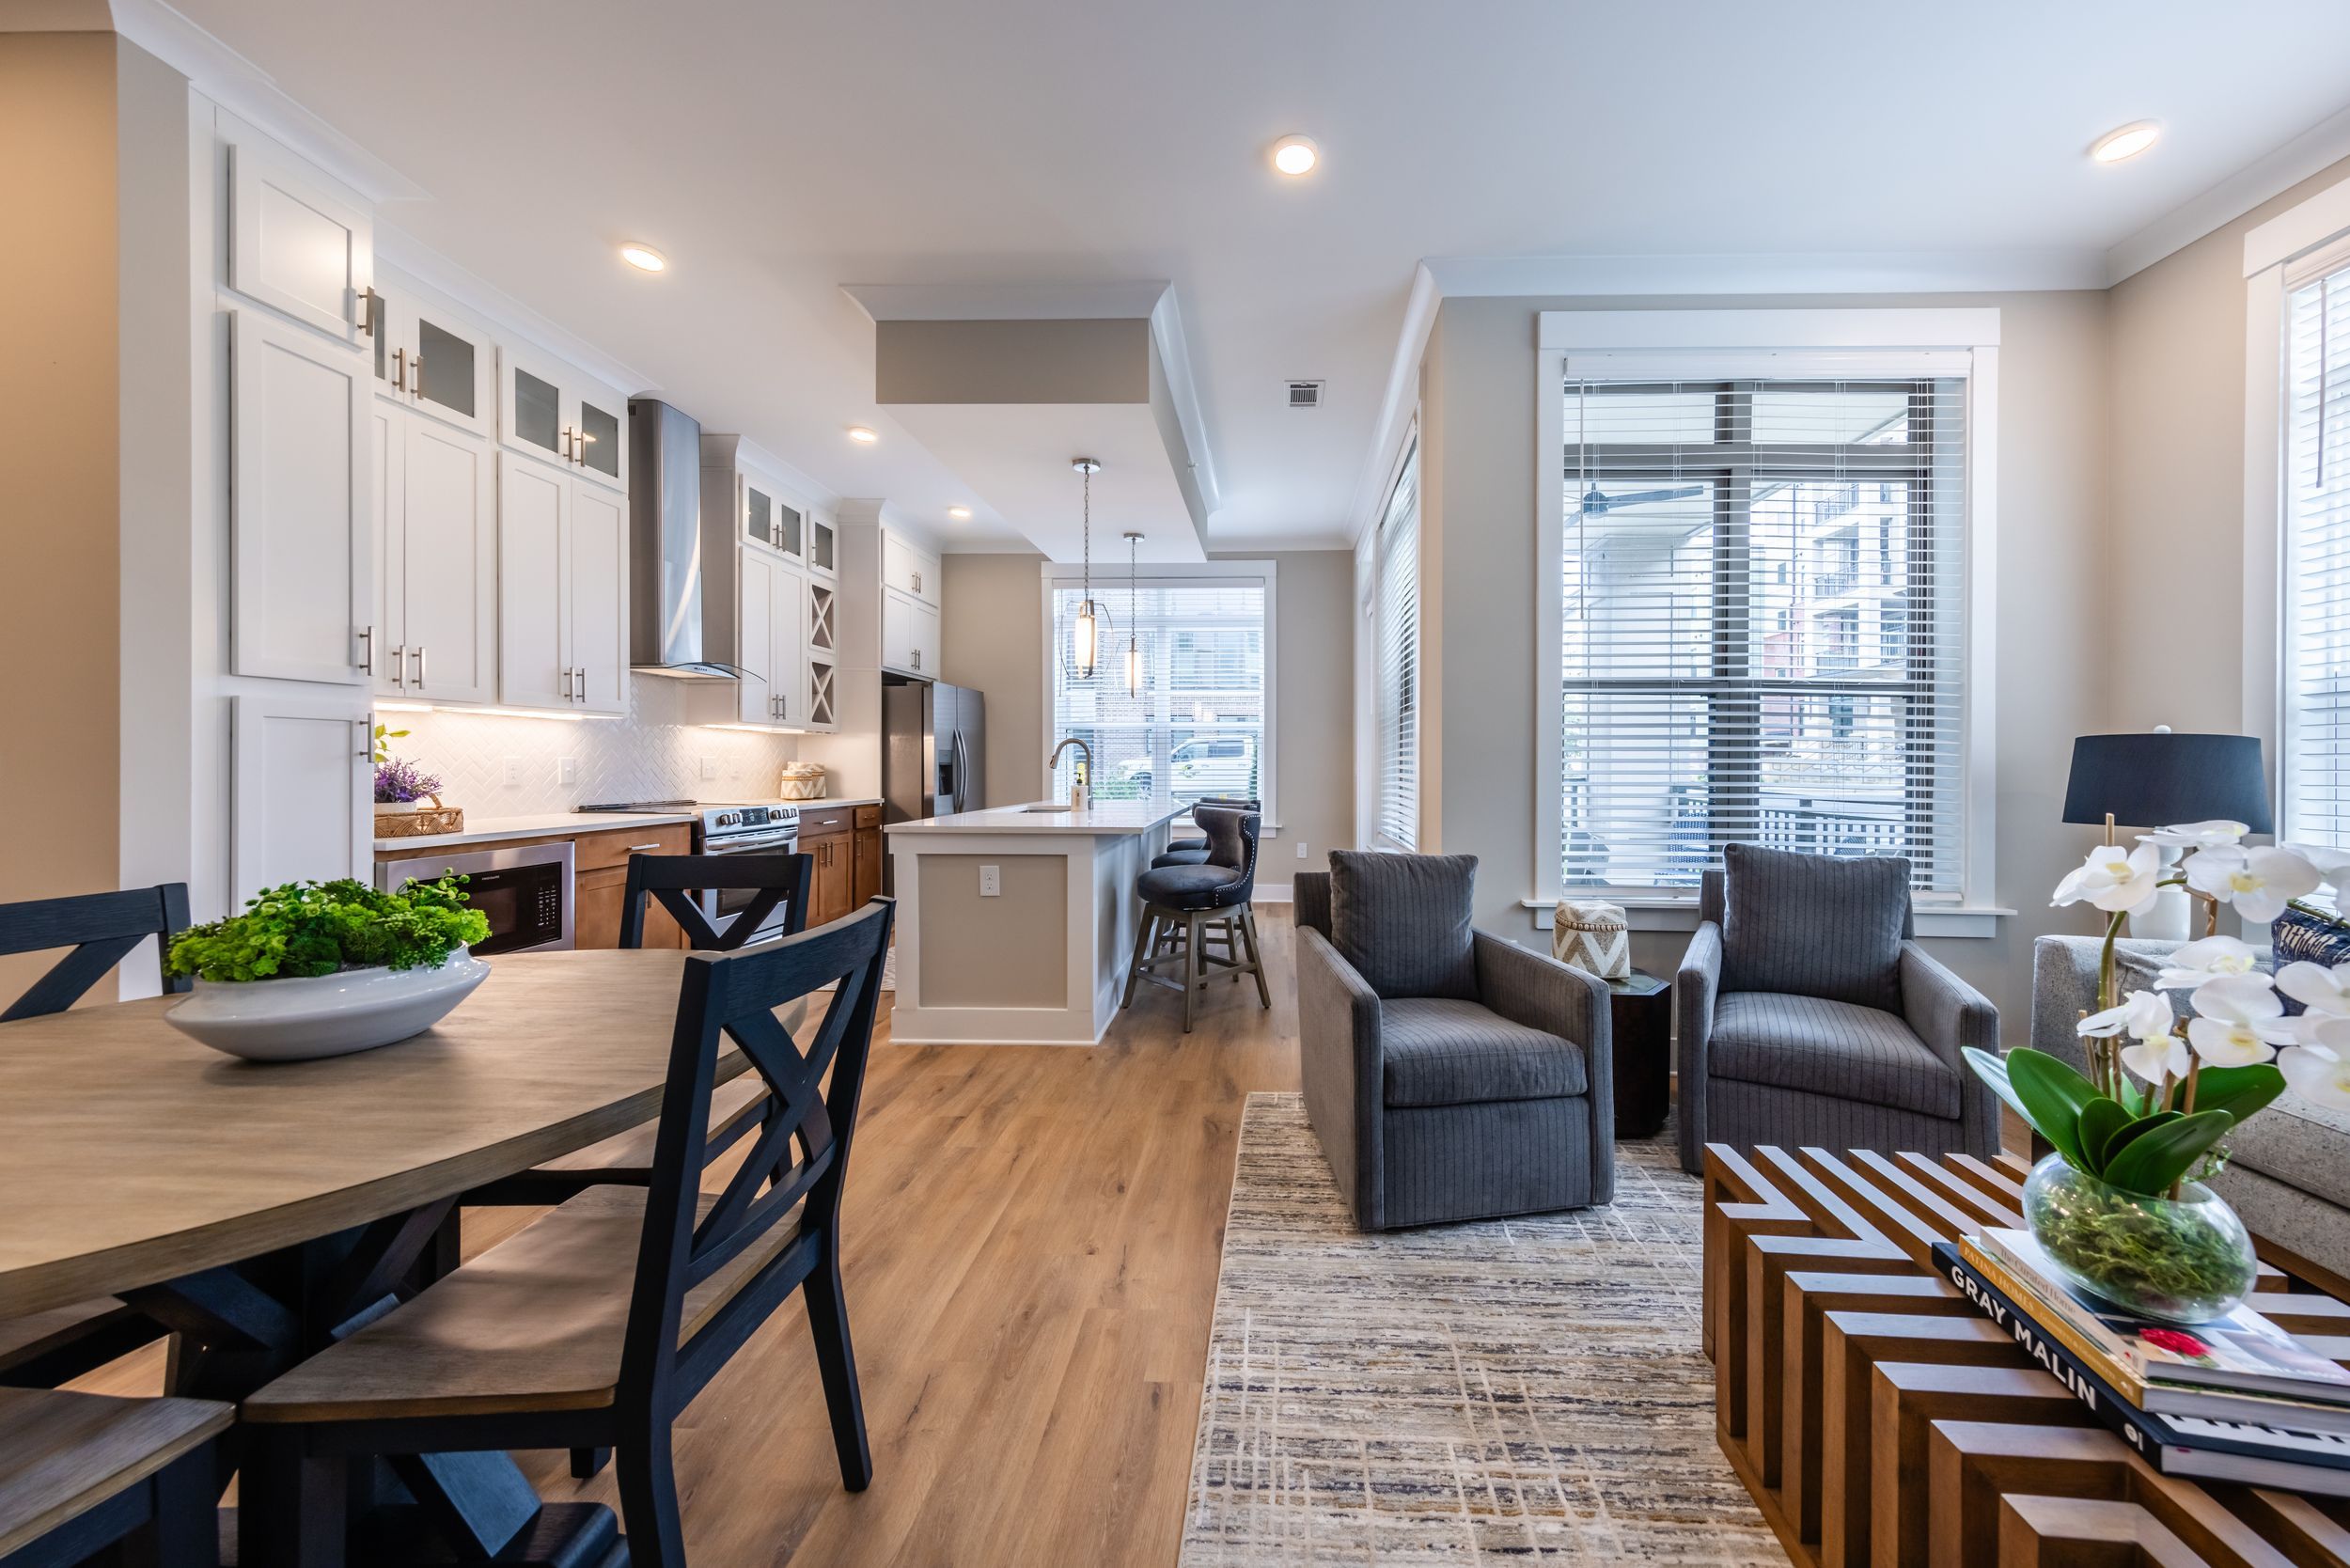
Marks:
<point>868,816</point>
<point>597,850</point>
<point>815,824</point>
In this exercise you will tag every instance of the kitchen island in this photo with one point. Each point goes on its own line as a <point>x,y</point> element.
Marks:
<point>1015,925</point>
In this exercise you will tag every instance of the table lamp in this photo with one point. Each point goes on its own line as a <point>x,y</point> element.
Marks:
<point>2156,778</point>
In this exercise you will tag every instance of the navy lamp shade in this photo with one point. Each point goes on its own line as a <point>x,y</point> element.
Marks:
<point>2156,778</point>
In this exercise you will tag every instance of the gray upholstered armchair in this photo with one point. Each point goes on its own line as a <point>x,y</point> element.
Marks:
<point>1448,1075</point>
<point>1808,1015</point>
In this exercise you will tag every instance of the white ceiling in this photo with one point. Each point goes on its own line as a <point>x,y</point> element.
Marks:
<point>776,151</point>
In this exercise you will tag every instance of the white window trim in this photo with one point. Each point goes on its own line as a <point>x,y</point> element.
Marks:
<point>2297,243</point>
<point>1053,575</point>
<point>1782,342</point>
<point>1372,836</point>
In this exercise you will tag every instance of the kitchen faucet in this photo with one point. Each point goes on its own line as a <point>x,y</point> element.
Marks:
<point>1082,789</point>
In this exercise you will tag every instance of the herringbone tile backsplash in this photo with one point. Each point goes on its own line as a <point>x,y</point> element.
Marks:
<point>650,755</point>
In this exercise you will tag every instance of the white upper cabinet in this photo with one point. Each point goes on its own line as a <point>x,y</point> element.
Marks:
<point>824,546</point>
<point>298,242</point>
<point>755,639</point>
<point>562,593</point>
<point>897,626</point>
<point>535,667</point>
<point>598,610</point>
<point>909,569</point>
<point>300,789</point>
<point>302,520</point>
<point>552,410</point>
<point>436,573</point>
<point>431,357</point>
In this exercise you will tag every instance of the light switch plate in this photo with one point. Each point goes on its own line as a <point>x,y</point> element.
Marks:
<point>513,772</point>
<point>991,881</point>
<point>710,767</point>
<point>1301,849</point>
<point>567,770</point>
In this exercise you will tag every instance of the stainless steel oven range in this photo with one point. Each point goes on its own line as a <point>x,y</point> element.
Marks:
<point>745,830</point>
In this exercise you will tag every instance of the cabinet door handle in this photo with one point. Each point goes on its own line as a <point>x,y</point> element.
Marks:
<point>415,375</point>
<point>367,641</point>
<point>399,369</point>
<point>583,682</point>
<point>566,683</point>
<point>367,738</point>
<point>633,848</point>
<point>918,582</point>
<point>399,666</point>
<point>418,651</point>
<point>365,300</point>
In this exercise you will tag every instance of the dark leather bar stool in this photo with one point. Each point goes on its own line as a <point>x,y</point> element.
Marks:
<point>1194,852</point>
<point>1186,908</point>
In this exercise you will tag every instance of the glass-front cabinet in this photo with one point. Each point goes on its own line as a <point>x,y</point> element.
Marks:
<point>428,356</point>
<point>551,410</point>
<point>821,546</point>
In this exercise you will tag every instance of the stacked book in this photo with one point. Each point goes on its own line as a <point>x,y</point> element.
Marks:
<point>2237,1400</point>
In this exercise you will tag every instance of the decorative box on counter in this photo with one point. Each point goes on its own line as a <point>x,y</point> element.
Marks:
<point>801,781</point>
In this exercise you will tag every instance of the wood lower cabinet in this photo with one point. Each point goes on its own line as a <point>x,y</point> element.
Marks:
<point>867,854</point>
<point>832,884</point>
<point>600,893</point>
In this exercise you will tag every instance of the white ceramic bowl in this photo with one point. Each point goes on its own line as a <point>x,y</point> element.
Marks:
<point>325,1016</point>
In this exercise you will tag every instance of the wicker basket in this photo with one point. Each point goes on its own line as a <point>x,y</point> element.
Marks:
<point>1593,937</point>
<point>801,781</point>
<point>406,821</point>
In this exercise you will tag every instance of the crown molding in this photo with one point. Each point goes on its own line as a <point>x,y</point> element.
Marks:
<point>2320,147</point>
<point>1785,273</point>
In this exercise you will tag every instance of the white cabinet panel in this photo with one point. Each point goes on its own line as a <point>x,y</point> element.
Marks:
<point>449,546</point>
<point>896,631</point>
<point>788,630</point>
<point>534,664</point>
<point>432,359</point>
<point>925,640</point>
<point>909,570</point>
<point>302,539</point>
<point>296,242</point>
<point>389,669</point>
<point>755,637</point>
<point>301,786</point>
<point>595,618</point>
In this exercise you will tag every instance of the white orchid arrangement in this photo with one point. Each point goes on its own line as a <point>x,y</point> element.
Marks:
<point>2239,1021</point>
<point>2161,1092</point>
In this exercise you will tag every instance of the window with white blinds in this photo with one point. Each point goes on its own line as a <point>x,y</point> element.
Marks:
<point>1763,625</point>
<point>2315,680</point>
<point>1395,630</point>
<point>1199,726</point>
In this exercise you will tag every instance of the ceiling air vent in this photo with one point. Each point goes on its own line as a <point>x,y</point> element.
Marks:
<point>1305,394</point>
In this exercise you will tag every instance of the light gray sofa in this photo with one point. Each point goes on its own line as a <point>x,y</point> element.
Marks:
<point>1448,1075</point>
<point>2288,1171</point>
<point>1808,1015</point>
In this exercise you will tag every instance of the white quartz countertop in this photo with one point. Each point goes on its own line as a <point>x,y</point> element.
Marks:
<point>481,830</point>
<point>1116,817</point>
<point>829,800</point>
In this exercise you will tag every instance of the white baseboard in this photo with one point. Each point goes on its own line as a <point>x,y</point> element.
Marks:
<point>1275,892</point>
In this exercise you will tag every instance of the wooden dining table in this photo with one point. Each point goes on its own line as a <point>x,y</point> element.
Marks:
<point>258,1208</point>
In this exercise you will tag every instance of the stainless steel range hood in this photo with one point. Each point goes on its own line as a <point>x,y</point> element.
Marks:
<point>681,564</point>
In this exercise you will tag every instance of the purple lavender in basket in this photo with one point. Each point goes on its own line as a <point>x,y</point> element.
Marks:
<point>399,781</point>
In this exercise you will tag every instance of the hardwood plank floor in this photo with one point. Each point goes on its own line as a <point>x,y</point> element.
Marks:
<point>1031,1242</point>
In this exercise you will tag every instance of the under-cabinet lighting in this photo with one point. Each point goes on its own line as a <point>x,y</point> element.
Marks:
<point>760,729</point>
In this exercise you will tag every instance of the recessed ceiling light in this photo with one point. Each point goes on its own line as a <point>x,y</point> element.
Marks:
<point>960,514</point>
<point>1296,155</point>
<point>2128,142</point>
<point>862,436</point>
<point>644,259</point>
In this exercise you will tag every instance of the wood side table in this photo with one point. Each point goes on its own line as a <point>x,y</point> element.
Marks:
<point>1641,1010</point>
<point>1877,1417</point>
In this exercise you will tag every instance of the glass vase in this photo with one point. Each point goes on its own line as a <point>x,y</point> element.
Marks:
<point>2184,1260</point>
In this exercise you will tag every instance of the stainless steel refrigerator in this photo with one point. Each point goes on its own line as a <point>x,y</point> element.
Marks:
<point>933,750</point>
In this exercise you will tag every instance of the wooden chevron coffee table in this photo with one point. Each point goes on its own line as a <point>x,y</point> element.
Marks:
<point>1879,1420</point>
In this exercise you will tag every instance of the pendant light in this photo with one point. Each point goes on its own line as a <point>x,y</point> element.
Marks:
<point>1092,618</point>
<point>1134,620</point>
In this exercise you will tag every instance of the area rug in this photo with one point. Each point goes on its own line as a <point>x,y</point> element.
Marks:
<point>1521,1390</point>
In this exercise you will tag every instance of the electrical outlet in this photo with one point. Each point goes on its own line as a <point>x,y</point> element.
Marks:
<point>567,770</point>
<point>513,772</point>
<point>991,881</point>
<point>1301,849</point>
<point>710,767</point>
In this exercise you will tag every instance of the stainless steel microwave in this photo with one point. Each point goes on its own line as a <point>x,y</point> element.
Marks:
<point>527,892</point>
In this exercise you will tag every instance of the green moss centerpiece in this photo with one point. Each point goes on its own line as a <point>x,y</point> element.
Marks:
<point>2119,1207</point>
<point>325,968</point>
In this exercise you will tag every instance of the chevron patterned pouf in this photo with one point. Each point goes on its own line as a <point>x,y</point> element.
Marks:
<point>1592,937</point>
